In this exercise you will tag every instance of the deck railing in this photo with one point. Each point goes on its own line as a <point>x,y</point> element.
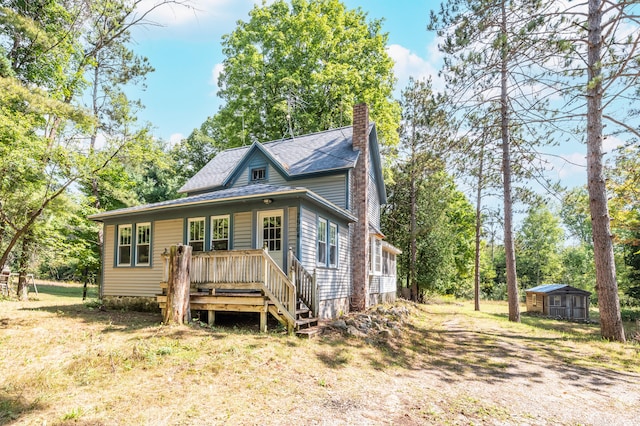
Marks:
<point>305,283</point>
<point>244,268</point>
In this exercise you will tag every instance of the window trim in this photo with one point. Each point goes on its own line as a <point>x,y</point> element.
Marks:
<point>329,245</point>
<point>534,299</point>
<point>255,169</point>
<point>321,220</point>
<point>211,230</point>
<point>138,244</point>
<point>375,256</point>
<point>204,231</point>
<point>119,243</point>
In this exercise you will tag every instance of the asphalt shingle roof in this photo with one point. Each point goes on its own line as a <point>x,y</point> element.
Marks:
<point>257,190</point>
<point>307,154</point>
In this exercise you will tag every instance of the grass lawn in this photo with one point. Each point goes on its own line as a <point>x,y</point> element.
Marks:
<point>66,362</point>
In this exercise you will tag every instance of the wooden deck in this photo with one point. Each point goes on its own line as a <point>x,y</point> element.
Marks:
<point>249,281</point>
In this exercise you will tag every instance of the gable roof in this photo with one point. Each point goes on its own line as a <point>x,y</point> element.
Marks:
<point>321,152</point>
<point>256,191</point>
<point>550,288</point>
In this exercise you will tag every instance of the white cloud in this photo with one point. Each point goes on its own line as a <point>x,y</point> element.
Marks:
<point>610,143</point>
<point>409,64</point>
<point>215,74</point>
<point>175,139</point>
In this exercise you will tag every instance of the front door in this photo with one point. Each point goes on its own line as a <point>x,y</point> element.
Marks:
<point>270,234</point>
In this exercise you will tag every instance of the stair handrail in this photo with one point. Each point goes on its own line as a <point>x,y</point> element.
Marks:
<point>305,283</point>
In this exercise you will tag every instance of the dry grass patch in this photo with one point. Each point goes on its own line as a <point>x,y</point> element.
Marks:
<point>65,362</point>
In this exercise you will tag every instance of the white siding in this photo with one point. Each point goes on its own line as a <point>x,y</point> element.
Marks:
<point>242,231</point>
<point>139,281</point>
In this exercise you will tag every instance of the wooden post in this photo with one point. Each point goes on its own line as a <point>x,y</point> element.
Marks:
<point>178,285</point>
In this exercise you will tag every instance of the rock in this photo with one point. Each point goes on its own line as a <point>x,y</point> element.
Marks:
<point>384,334</point>
<point>352,331</point>
<point>339,324</point>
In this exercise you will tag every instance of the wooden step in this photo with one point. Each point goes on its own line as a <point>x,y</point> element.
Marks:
<point>302,311</point>
<point>306,321</point>
<point>309,332</point>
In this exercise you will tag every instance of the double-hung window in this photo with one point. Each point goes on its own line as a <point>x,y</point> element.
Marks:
<point>143,243</point>
<point>322,242</point>
<point>220,232</point>
<point>375,256</point>
<point>196,233</point>
<point>124,245</point>
<point>333,245</point>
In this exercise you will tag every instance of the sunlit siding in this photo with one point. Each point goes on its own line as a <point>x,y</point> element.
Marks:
<point>373,208</point>
<point>139,281</point>
<point>335,283</point>
<point>242,231</point>
<point>332,188</point>
<point>308,239</point>
<point>293,229</point>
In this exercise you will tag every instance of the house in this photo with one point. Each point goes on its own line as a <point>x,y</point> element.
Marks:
<point>309,204</point>
<point>559,300</point>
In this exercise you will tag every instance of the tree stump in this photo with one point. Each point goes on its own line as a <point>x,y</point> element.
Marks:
<point>178,309</point>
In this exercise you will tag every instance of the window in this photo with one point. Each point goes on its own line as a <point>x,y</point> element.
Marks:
<point>322,242</point>
<point>333,245</point>
<point>124,245</point>
<point>534,299</point>
<point>272,232</point>
<point>196,234</point>
<point>375,256</point>
<point>258,174</point>
<point>555,300</point>
<point>143,243</point>
<point>385,263</point>
<point>220,233</point>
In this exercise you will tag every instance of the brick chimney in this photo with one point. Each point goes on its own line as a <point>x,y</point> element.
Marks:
<point>360,203</point>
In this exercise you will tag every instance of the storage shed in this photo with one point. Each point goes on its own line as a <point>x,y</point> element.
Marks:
<point>559,300</point>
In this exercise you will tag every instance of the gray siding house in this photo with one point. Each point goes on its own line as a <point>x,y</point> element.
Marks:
<point>311,202</point>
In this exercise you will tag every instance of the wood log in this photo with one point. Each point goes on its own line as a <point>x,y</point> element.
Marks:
<point>178,309</point>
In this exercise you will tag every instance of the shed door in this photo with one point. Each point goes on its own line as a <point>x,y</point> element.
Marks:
<point>270,234</point>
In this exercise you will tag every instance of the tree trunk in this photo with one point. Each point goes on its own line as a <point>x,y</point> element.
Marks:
<point>476,278</point>
<point>23,267</point>
<point>178,310</point>
<point>509,248</point>
<point>606,286</point>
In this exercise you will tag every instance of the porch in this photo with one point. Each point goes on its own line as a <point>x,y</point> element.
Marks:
<point>249,281</point>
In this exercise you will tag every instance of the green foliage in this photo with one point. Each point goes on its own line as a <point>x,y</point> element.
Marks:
<point>538,247</point>
<point>299,67</point>
<point>445,229</point>
<point>54,56</point>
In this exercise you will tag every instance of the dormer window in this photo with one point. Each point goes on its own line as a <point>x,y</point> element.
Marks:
<point>258,174</point>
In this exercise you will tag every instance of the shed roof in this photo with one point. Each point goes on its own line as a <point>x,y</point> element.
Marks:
<point>550,288</point>
<point>303,155</point>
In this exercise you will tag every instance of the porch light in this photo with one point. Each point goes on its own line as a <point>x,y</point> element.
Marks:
<point>267,201</point>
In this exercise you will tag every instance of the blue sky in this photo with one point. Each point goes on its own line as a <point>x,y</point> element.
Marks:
<point>187,54</point>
